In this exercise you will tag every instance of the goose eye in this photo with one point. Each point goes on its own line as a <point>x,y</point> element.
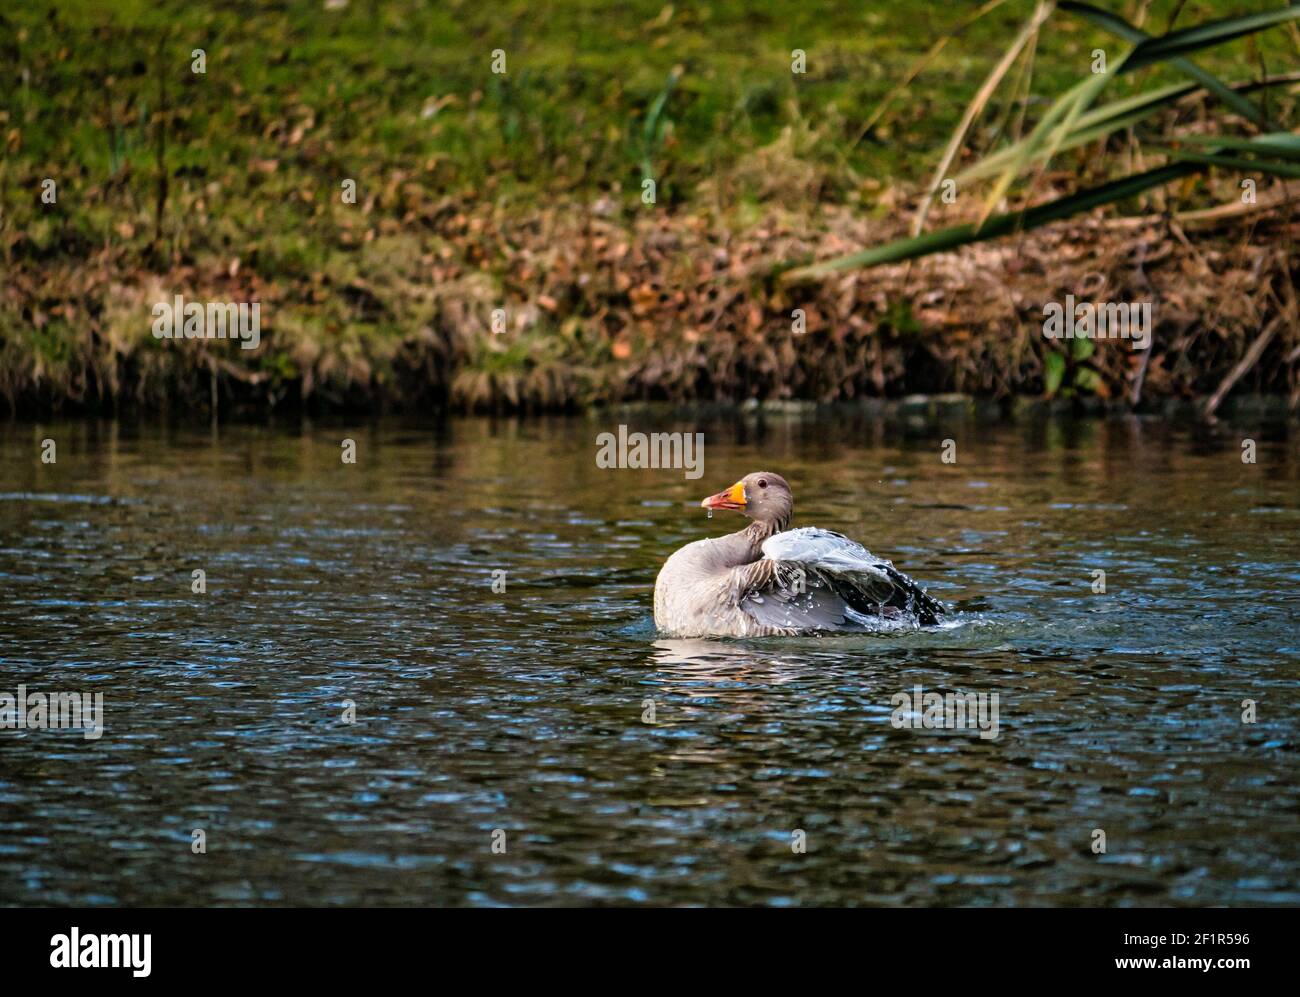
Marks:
<point>762,482</point>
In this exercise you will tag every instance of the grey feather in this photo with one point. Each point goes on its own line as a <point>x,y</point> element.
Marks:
<point>843,585</point>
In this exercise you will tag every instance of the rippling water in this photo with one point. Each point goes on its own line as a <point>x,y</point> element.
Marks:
<point>522,711</point>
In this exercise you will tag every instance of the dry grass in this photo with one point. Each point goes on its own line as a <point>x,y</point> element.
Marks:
<point>603,306</point>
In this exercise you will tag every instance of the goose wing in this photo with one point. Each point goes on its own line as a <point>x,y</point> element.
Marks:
<point>820,579</point>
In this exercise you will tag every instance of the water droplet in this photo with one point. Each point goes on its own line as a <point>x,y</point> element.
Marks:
<point>710,511</point>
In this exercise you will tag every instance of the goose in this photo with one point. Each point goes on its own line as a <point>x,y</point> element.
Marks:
<point>768,580</point>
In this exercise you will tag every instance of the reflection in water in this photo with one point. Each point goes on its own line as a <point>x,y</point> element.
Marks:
<point>703,659</point>
<point>521,710</point>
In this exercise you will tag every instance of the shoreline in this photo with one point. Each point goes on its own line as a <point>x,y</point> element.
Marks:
<point>584,311</point>
<point>428,230</point>
<point>918,409</point>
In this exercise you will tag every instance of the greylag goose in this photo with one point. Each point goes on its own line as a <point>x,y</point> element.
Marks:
<point>767,580</point>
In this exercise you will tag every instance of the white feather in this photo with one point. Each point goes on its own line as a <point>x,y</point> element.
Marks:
<point>824,550</point>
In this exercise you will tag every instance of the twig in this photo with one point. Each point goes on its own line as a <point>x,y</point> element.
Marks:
<point>1202,215</point>
<point>1248,361</point>
<point>916,68</point>
<point>1135,396</point>
<point>994,78</point>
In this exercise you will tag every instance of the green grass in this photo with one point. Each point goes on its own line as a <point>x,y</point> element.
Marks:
<point>398,95</point>
<point>406,85</point>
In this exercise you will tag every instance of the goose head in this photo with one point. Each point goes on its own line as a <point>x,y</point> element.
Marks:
<point>762,496</point>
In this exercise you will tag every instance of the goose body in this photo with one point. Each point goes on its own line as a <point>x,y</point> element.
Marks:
<point>767,580</point>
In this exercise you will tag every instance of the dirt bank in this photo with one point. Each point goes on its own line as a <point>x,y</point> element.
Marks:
<point>585,304</point>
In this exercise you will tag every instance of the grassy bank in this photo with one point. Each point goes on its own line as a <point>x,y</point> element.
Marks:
<point>520,194</point>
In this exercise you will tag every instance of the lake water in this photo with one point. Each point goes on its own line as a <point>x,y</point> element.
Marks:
<point>479,711</point>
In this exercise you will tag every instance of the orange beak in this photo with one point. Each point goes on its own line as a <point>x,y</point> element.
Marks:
<point>732,498</point>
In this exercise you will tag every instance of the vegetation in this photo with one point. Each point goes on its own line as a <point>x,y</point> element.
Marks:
<point>518,196</point>
<point>1071,121</point>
